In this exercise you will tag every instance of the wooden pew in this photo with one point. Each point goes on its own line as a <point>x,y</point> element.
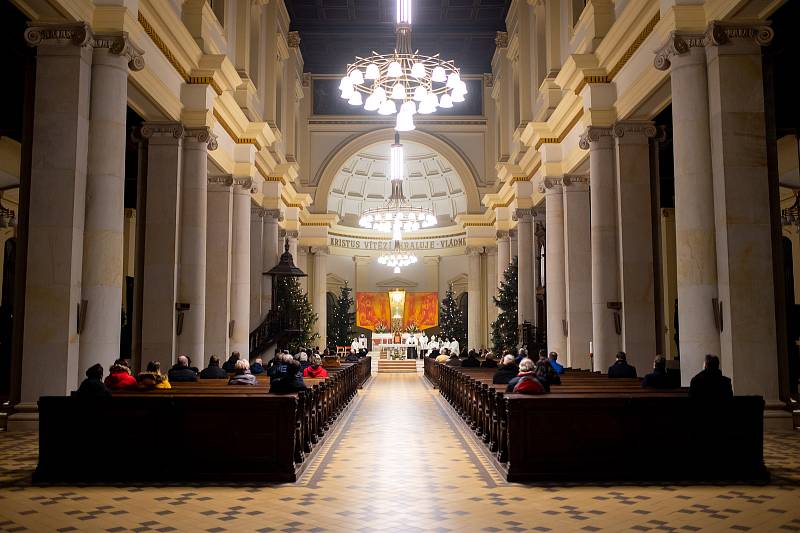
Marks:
<point>201,431</point>
<point>595,428</point>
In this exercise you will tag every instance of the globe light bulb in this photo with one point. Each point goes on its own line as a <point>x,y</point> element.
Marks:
<point>398,91</point>
<point>395,70</point>
<point>418,70</point>
<point>356,76</point>
<point>346,82</point>
<point>452,80</point>
<point>439,75</point>
<point>457,97</point>
<point>446,101</point>
<point>371,104</point>
<point>379,94</point>
<point>355,98</point>
<point>387,108</point>
<point>409,107</point>
<point>347,92</point>
<point>373,72</point>
<point>405,122</point>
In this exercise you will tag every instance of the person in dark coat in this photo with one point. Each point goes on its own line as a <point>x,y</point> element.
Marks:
<point>285,374</point>
<point>527,372</point>
<point>709,384</point>
<point>257,367</point>
<point>180,371</point>
<point>545,372</point>
<point>454,360</point>
<point>471,361</point>
<point>489,362</point>
<point>243,375</point>
<point>507,371</point>
<point>229,366</point>
<point>213,370</point>
<point>658,378</point>
<point>621,368</point>
<point>93,386</point>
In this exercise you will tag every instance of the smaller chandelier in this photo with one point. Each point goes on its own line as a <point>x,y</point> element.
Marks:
<point>397,214</point>
<point>397,258</point>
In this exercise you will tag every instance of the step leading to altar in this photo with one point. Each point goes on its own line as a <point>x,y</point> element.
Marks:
<point>404,366</point>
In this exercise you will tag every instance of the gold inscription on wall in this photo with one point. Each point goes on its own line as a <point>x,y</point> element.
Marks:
<point>426,244</point>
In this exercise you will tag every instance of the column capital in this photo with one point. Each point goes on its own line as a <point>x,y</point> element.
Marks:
<point>550,185</point>
<point>502,235</point>
<point>245,182</point>
<point>634,130</point>
<point>319,250</point>
<point>162,130</point>
<point>490,250</point>
<point>678,43</point>
<point>291,234</point>
<point>120,44</point>
<point>474,250</point>
<point>74,33</point>
<point>512,233</point>
<point>202,134</point>
<point>222,181</point>
<point>362,259</point>
<point>722,32</point>
<point>595,137</point>
<point>274,214</point>
<point>431,259</point>
<point>522,215</point>
<point>575,182</point>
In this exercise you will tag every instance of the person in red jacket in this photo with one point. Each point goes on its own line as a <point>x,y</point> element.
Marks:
<point>315,370</point>
<point>120,376</point>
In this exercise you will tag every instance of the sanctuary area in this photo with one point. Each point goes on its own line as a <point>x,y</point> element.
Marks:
<point>399,265</point>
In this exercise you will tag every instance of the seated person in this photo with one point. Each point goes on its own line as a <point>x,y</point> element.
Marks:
<point>180,371</point>
<point>546,373</point>
<point>229,366</point>
<point>471,361</point>
<point>213,370</point>
<point>285,374</point>
<point>522,353</point>
<point>658,378</point>
<point>315,369</point>
<point>119,377</point>
<point>554,363</point>
<point>526,381</point>
<point>243,376</point>
<point>257,367</point>
<point>152,378</point>
<point>352,357</point>
<point>506,371</point>
<point>709,384</point>
<point>454,360</point>
<point>621,368</point>
<point>302,357</point>
<point>444,356</point>
<point>489,362</point>
<point>93,386</point>
<point>192,367</point>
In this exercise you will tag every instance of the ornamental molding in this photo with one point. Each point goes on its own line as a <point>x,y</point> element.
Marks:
<point>76,34</point>
<point>293,39</point>
<point>550,184</point>
<point>488,80</point>
<point>502,235</point>
<point>522,215</point>
<point>163,129</point>
<point>244,182</point>
<point>678,43</point>
<point>474,250</point>
<point>203,135</point>
<point>319,250</point>
<point>224,181</point>
<point>501,39</point>
<point>634,128</point>
<point>272,213</point>
<point>120,44</point>
<point>574,180</point>
<point>305,79</point>
<point>594,134</point>
<point>284,234</point>
<point>512,234</point>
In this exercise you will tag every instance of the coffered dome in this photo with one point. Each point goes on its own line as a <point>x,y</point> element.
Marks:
<point>363,183</point>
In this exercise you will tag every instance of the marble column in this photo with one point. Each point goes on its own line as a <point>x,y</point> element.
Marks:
<point>240,268</point>
<point>694,200</point>
<point>577,271</point>
<point>293,237</point>
<point>605,264</point>
<point>272,249</point>
<point>219,238</point>
<point>555,288</point>
<point>194,213</point>
<point>320,300</point>
<point>525,293</point>
<point>101,285</point>
<point>503,254</point>
<point>635,237</point>
<point>512,244</point>
<point>474,297</point>
<point>161,241</point>
<point>256,265</point>
<point>741,203</point>
<point>491,291</point>
<point>58,191</point>
<point>302,263</point>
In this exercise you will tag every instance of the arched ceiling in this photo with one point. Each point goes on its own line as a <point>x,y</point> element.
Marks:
<point>363,183</point>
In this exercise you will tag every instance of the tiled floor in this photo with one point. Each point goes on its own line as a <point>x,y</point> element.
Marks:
<point>399,461</point>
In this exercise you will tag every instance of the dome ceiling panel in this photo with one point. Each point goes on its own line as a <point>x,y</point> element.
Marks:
<point>430,181</point>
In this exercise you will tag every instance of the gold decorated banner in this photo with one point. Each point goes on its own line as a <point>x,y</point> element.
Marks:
<point>372,308</point>
<point>420,309</point>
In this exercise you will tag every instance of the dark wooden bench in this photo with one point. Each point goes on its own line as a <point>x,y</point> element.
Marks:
<point>200,431</point>
<point>594,428</point>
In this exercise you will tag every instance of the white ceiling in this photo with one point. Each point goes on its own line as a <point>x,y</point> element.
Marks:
<point>362,183</point>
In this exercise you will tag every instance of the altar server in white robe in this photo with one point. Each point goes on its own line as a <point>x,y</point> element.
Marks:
<point>413,343</point>
<point>362,340</point>
<point>454,348</point>
<point>355,345</point>
<point>444,344</point>
<point>433,344</point>
<point>423,344</point>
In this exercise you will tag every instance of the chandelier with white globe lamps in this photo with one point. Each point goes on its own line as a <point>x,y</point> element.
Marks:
<point>397,258</point>
<point>404,82</point>
<point>397,214</point>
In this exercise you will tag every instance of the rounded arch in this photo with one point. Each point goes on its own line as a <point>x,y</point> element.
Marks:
<point>343,152</point>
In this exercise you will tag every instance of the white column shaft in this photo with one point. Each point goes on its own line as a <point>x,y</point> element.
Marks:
<point>491,289</point>
<point>219,240</point>
<point>240,270</point>
<point>525,293</point>
<point>271,252</point>
<point>577,274</point>
<point>554,270</point>
<point>256,266</point>
<point>101,286</point>
<point>503,254</point>
<point>320,294</point>
<point>473,299</point>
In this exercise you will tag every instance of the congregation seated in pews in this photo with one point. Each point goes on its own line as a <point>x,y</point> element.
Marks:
<point>275,419</point>
<point>587,420</point>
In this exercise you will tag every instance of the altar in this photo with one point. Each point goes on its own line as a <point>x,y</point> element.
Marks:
<point>397,319</point>
<point>395,346</point>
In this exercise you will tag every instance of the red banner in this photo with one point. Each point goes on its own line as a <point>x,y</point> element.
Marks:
<point>421,309</point>
<point>372,308</point>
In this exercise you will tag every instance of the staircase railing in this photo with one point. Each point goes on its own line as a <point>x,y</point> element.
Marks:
<point>276,328</point>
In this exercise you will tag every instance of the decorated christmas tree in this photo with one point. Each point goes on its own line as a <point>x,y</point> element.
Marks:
<point>504,330</point>
<point>451,320</point>
<point>340,320</point>
<point>292,301</point>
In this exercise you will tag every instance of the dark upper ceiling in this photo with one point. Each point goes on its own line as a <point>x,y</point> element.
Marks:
<point>333,32</point>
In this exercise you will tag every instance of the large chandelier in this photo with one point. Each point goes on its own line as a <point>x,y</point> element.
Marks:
<point>403,82</point>
<point>397,214</point>
<point>397,258</point>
